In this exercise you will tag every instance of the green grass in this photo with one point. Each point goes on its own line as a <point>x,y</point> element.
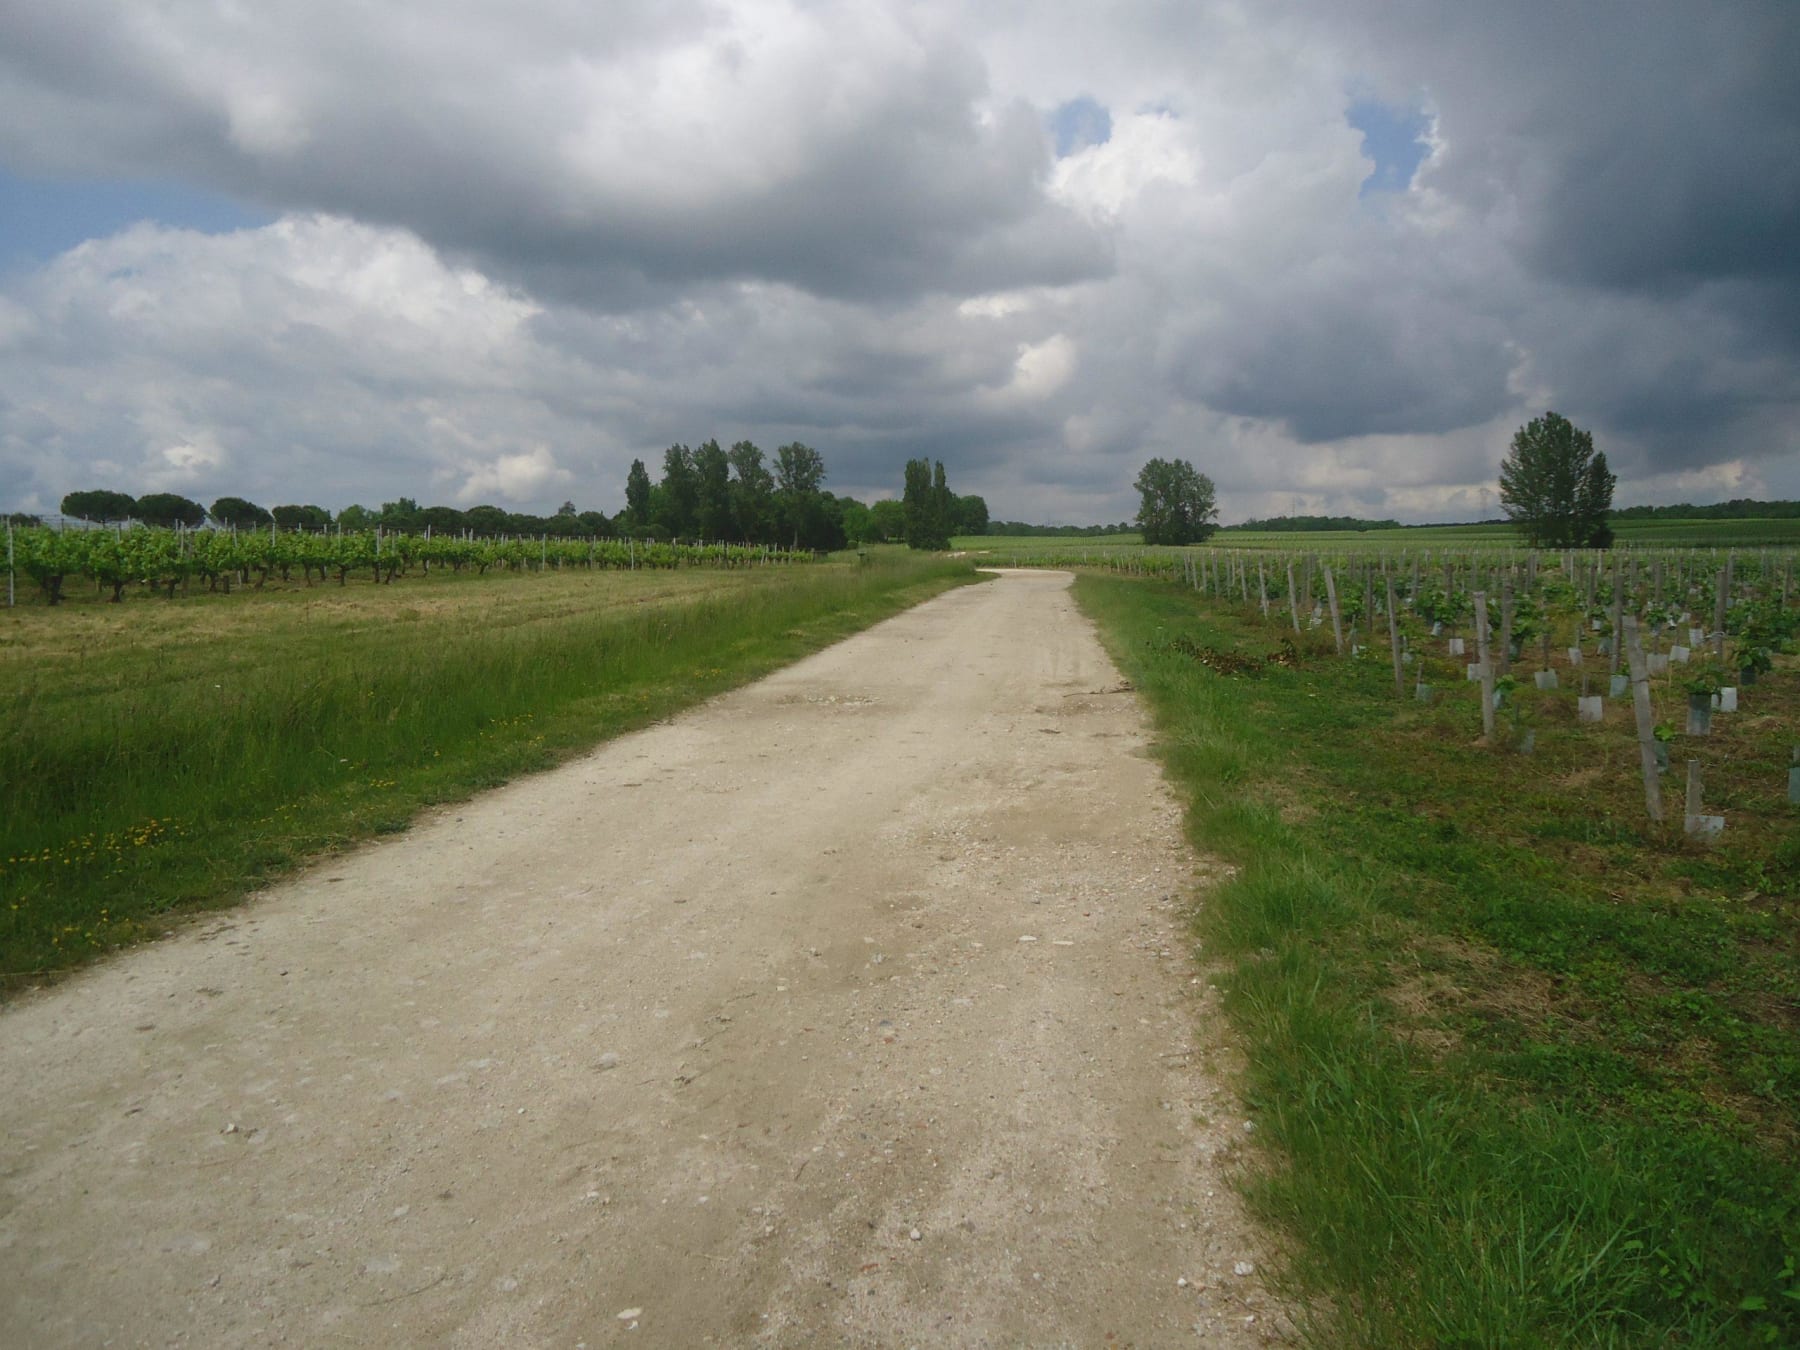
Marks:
<point>166,756</point>
<point>1528,1067</point>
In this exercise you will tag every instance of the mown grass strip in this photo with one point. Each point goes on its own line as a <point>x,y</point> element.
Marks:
<point>1527,1068</point>
<point>155,773</point>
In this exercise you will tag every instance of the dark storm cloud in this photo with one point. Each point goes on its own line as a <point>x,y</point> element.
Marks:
<point>606,159</point>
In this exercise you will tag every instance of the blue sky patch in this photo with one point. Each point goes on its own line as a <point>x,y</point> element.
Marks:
<point>1079,123</point>
<point>1395,139</point>
<point>42,217</point>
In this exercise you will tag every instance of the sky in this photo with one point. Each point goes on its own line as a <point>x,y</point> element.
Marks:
<point>1332,252</point>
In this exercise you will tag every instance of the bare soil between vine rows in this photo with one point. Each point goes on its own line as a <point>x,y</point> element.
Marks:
<point>855,1007</point>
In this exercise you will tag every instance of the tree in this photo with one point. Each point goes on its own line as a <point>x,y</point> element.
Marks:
<point>1555,487</point>
<point>237,513</point>
<point>637,497</point>
<point>859,523</point>
<point>401,514</point>
<point>291,517</point>
<point>443,520</point>
<point>925,504</point>
<point>799,469</point>
<point>800,509</point>
<point>752,493</point>
<point>675,504</point>
<point>356,516</point>
<point>99,505</point>
<point>887,518</point>
<point>712,495</point>
<point>483,519</point>
<point>170,509</point>
<point>1178,503</point>
<point>971,515</point>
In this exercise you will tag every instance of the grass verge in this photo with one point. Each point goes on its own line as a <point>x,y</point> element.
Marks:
<point>1528,1068</point>
<point>162,758</point>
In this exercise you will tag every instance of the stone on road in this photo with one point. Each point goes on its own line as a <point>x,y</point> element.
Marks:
<point>731,1024</point>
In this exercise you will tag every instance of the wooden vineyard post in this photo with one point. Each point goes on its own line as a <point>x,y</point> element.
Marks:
<point>1262,588</point>
<point>1618,610</point>
<point>1723,586</point>
<point>1487,666</point>
<point>1394,641</point>
<point>1337,627</point>
<point>1640,703</point>
<point>1506,624</point>
<point>1293,600</point>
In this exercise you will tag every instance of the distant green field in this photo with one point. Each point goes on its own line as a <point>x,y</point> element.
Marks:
<point>1711,533</point>
<point>1781,533</point>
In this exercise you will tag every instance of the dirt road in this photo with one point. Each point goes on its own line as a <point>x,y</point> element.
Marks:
<point>851,1008</point>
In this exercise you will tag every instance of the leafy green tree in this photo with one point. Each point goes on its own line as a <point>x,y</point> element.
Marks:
<point>858,521</point>
<point>1177,503</point>
<point>443,520</point>
<point>800,509</point>
<point>1555,487</point>
<point>169,509</point>
<point>712,492</point>
<point>888,521</point>
<point>799,469</point>
<point>99,505</point>
<point>359,517</point>
<point>924,505</point>
<point>598,524</point>
<point>401,514</point>
<point>237,513</point>
<point>291,517</point>
<point>971,515</point>
<point>943,504</point>
<point>752,493</point>
<point>676,505</point>
<point>484,519</point>
<point>637,496</point>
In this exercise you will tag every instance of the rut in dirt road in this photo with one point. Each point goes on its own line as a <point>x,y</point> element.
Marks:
<point>851,1008</point>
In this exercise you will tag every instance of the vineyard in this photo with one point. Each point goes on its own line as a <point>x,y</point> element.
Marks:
<point>116,560</point>
<point>1515,850</point>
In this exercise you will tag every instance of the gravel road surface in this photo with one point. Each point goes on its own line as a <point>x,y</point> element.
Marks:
<point>852,1008</point>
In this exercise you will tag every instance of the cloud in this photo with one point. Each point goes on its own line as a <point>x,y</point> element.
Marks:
<point>513,249</point>
<point>850,149</point>
<point>521,477</point>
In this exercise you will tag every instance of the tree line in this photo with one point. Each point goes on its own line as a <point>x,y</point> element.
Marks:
<point>167,510</point>
<point>1312,524</point>
<point>705,494</point>
<point>1738,508</point>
